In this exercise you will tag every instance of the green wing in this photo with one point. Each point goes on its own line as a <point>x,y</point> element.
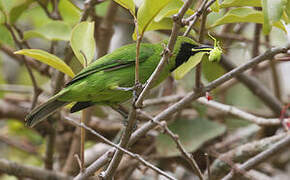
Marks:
<point>122,57</point>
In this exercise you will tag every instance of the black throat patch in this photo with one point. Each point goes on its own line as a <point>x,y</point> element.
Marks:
<point>186,51</point>
<point>184,54</point>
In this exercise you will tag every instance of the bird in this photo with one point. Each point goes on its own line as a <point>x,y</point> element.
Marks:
<point>107,80</point>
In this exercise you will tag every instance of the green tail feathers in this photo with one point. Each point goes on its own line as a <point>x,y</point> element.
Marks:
<point>41,112</point>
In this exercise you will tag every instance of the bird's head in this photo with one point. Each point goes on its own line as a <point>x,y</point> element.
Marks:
<point>185,48</point>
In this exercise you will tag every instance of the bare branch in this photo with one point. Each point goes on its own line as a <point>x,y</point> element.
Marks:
<point>240,153</point>
<point>15,169</point>
<point>103,139</point>
<point>261,157</point>
<point>239,113</point>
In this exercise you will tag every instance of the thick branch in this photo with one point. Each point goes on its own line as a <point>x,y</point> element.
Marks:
<point>263,156</point>
<point>19,170</point>
<point>256,87</point>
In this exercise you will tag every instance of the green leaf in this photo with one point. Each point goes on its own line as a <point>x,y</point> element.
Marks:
<point>128,4</point>
<point>182,70</point>
<point>288,9</point>
<point>165,23</point>
<point>240,3</point>
<point>272,10</point>
<point>17,10</point>
<point>215,7</point>
<point>47,58</point>
<point>83,43</point>
<point>240,15</point>
<point>69,12</point>
<point>35,16</point>
<point>2,17</point>
<point>192,134</point>
<point>53,31</point>
<point>147,12</point>
<point>170,9</point>
<point>212,70</point>
<point>244,15</point>
<point>6,37</point>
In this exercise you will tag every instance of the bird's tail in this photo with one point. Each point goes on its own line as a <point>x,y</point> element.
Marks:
<point>41,112</point>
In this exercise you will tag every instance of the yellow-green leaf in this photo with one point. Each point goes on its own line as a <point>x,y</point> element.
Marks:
<point>272,11</point>
<point>288,9</point>
<point>53,31</point>
<point>83,43</point>
<point>47,58</point>
<point>215,7</point>
<point>170,9</point>
<point>128,4</point>
<point>244,15</point>
<point>240,3</point>
<point>182,70</point>
<point>147,12</point>
<point>69,12</point>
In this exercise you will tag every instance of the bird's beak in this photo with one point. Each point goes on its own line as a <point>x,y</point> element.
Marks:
<point>205,48</point>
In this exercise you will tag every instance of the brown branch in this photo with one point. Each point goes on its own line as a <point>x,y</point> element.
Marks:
<point>54,15</point>
<point>105,140</point>
<point>261,157</point>
<point>20,44</point>
<point>106,29</point>
<point>275,75</point>
<point>192,19</point>
<point>240,153</point>
<point>18,58</point>
<point>19,144</point>
<point>256,87</point>
<point>198,69</point>
<point>239,113</point>
<point>236,37</point>
<point>19,170</point>
<point>187,156</point>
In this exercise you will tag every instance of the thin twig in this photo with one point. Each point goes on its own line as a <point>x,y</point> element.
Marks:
<point>207,166</point>
<point>239,113</point>
<point>36,89</point>
<point>192,19</point>
<point>219,167</point>
<point>275,75</point>
<point>106,30</point>
<point>277,147</point>
<point>188,157</point>
<point>105,140</point>
<point>255,86</point>
<point>198,69</point>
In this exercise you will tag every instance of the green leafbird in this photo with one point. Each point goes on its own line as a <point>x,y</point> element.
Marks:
<point>105,81</point>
